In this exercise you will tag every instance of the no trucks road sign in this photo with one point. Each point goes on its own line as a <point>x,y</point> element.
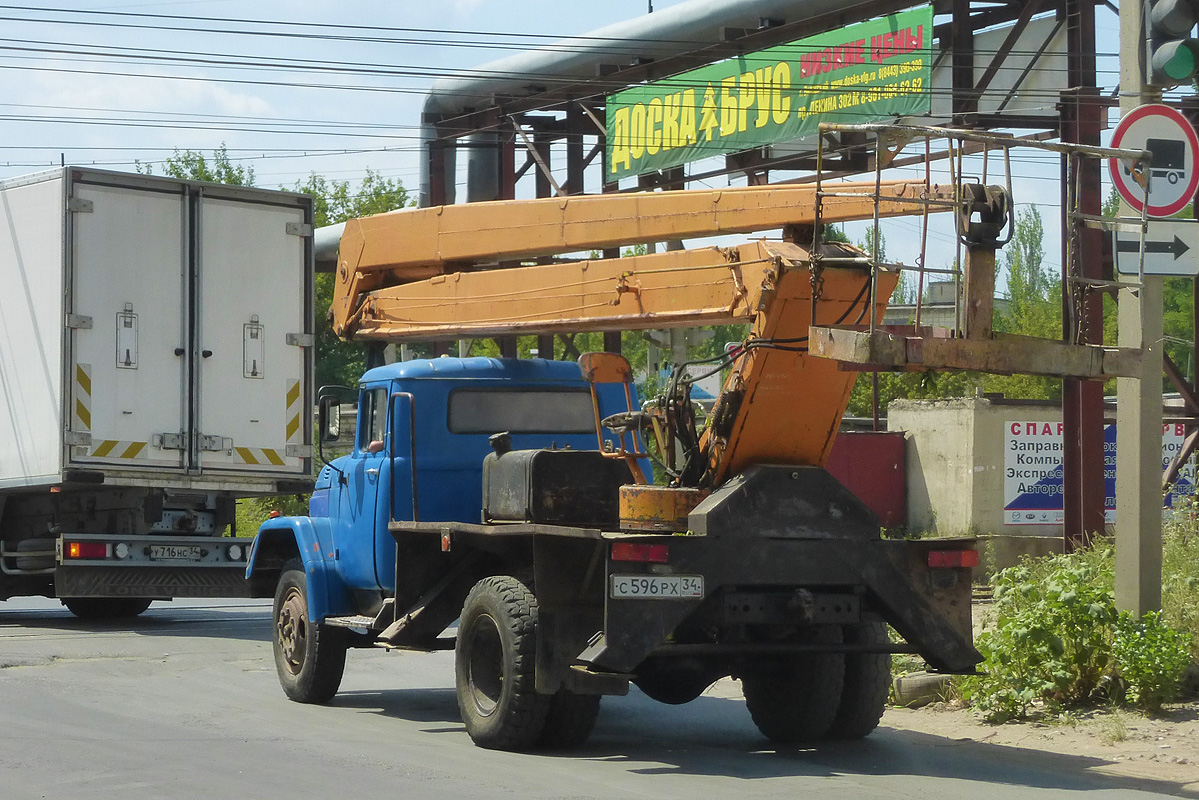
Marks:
<point>1173,177</point>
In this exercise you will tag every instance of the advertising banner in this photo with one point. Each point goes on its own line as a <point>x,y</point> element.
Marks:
<point>1032,471</point>
<point>866,72</point>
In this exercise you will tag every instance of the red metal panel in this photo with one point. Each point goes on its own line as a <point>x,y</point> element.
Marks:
<point>871,465</point>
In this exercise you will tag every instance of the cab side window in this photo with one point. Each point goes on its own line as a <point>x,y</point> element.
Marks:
<point>372,418</point>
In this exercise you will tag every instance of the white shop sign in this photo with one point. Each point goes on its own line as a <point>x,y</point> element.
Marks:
<point>1032,471</point>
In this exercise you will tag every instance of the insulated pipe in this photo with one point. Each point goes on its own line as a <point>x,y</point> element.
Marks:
<point>324,246</point>
<point>671,31</point>
<point>662,34</point>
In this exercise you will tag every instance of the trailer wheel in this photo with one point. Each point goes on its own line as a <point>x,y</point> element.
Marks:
<point>97,608</point>
<point>570,720</point>
<point>795,699</point>
<point>494,668</point>
<point>309,657</point>
<point>867,683</point>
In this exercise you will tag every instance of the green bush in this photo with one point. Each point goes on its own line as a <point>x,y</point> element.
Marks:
<point>1180,572</point>
<point>1058,642</point>
<point>1151,657</point>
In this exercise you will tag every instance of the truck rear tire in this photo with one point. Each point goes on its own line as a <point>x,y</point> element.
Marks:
<point>309,657</point>
<point>796,698</point>
<point>867,683</point>
<point>494,666</point>
<point>570,720</point>
<point>98,608</point>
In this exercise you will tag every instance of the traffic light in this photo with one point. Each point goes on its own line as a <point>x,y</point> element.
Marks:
<point>1171,55</point>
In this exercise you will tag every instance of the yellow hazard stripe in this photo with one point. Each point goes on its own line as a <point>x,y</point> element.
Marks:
<point>292,412</point>
<point>263,455</point>
<point>83,397</point>
<point>113,448</point>
<point>133,450</point>
<point>83,414</point>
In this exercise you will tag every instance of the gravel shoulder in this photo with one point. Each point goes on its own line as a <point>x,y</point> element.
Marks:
<point>1161,751</point>
<point>1160,748</point>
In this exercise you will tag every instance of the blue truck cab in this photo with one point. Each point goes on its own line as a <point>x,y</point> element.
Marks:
<point>423,431</point>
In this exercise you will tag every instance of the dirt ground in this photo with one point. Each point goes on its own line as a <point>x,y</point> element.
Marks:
<point>1163,748</point>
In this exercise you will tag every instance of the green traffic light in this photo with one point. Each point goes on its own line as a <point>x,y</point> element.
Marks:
<point>1175,61</point>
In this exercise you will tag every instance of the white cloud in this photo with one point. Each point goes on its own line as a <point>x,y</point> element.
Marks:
<point>464,7</point>
<point>198,96</point>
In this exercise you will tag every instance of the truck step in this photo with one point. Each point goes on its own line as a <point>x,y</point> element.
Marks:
<point>426,646</point>
<point>352,621</point>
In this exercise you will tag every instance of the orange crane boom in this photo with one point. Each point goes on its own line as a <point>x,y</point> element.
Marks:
<point>388,250</point>
<point>423,274</point>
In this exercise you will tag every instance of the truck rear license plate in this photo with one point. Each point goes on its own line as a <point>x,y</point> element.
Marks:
<point>174,552</point>
<point>658,587</point>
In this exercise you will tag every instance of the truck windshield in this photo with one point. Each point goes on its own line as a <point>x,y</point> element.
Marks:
<point>521,411</point>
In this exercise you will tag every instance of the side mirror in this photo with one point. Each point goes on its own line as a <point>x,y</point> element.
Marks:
<point>329,419</point>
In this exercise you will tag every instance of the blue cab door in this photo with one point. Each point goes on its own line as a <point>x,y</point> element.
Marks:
<point>361,527</point>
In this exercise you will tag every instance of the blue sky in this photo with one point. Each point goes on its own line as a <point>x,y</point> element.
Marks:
<point>88,88</point>
<point>52,70</point>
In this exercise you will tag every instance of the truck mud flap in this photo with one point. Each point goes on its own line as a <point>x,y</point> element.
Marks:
<point>161,583</point>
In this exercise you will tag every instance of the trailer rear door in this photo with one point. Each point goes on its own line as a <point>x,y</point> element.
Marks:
<point>251,316</point>
<point>128,284</point>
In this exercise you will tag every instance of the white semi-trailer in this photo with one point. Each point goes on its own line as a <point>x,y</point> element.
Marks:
<point>155,365</point>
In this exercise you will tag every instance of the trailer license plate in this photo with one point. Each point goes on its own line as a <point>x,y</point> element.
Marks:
<point>174,552</point>
<point>658,587</point>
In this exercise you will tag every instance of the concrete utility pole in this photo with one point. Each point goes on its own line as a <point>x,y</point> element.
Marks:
<point>1139,400</point>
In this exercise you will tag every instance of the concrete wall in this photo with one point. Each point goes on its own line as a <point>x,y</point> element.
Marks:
<point>939,462</point>
<point>955,468</point>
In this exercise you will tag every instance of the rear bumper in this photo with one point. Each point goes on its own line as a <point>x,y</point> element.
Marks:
<point>159,567</point>
<point>929,607</point>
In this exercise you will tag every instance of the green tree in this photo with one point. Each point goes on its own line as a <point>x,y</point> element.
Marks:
<point>337,361</point>
<point>192,165</point>
<point>1034,305</point>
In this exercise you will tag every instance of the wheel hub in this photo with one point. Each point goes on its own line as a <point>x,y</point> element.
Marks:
<point>485,664</point>
<point>291,630</point>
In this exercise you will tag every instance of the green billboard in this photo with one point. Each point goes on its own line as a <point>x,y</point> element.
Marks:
<point>873,70</point>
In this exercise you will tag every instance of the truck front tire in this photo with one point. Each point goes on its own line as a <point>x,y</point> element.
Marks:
<point>494,666</point>
<point>309,657</point>
<point>98,608</point>
<point>796,698</point>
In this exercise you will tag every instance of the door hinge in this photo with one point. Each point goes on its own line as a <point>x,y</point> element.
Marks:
<point>298,229</point>
<point>301,339</point>
<point>80,206</point>
<point>215,444</point>
<point>79,321</point>
<point>169,441</point>
<point>298,451</point>
<point>77,439</point>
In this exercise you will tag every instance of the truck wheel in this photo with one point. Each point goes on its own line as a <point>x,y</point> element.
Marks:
<point>309,657</point>
<point>570,720</point>
<point>867,683</point>
<point>795,699</point>
<point>106,607</point>
<point>494,666</point>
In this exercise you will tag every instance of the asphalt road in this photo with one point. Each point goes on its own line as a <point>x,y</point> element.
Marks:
<point>183,703</point>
